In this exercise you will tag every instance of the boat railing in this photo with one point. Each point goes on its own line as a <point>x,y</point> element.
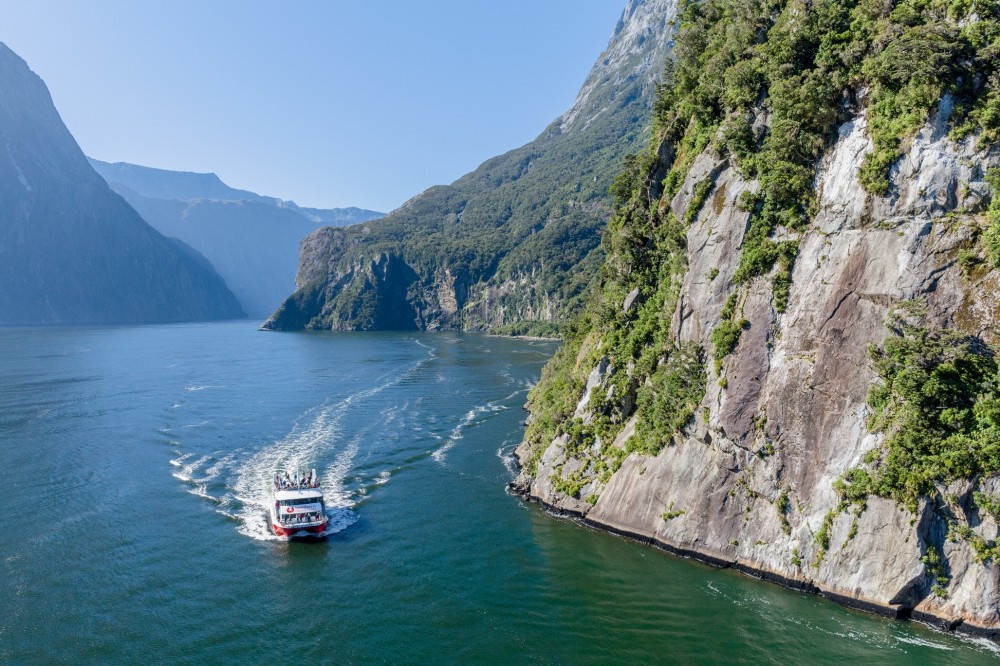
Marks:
<point>310,482</point>
<point>278,485</point>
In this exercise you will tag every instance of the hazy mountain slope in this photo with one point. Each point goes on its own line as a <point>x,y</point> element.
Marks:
<point>254,246</point>
<point>790,366</point>
<point>512,243</point>
<point>251,240</point>
<point>71,250</point>
<point>185,186</point>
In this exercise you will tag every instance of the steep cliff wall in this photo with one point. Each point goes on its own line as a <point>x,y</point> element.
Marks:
<point>512,244</point>
<point>71,250</point>
<point>801,382</point>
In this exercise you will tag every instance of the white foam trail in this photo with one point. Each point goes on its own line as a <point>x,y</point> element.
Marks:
<point>383,477</point>
<point>923,642</point>
<point>213,472</point>
<point>299,450</point>
<point>984,643</point>
<point>185,472</point>
<point>340,519</point>
<point>201,387</point>
<point>253,479</point>
<point>202,491</point>
<point>333,480</point>
<point>315,433</point>
<point>431,351</point>
<point>506,455</point>
<point>441,454</point>
<point>177,462</point>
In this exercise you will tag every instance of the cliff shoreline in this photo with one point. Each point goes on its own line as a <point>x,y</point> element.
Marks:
<point>939,623</point>
<point>752,475</point>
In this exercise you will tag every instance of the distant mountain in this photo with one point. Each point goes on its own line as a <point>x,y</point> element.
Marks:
<point>185,186</point>
<point>71,250</point>
<point>252,240</point>
<point>511,246</point>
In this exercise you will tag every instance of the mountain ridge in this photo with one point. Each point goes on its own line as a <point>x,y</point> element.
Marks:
<point>71,250</point>
<point>252,240</point>
<point>510,246</point>
<point>155,183</point>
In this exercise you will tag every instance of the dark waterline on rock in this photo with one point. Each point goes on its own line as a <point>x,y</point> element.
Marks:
<point>135,462</point>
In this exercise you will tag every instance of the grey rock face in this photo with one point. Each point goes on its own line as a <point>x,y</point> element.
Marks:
<point>71,250</point>
<point>629,55</point>
<point>792,418</point>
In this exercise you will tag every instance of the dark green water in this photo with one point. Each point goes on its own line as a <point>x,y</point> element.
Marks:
<point>135,464</point>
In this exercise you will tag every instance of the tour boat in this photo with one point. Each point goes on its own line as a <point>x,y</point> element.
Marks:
<point>298,509</point>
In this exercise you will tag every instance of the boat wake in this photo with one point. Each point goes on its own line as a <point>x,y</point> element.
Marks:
<point>201,387</point>
<point>240,483</point>
<point>473,417</point>
<point>299,450</point>
<point>187,469</point>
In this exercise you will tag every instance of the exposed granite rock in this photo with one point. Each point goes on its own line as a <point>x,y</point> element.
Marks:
<point>791,419</point>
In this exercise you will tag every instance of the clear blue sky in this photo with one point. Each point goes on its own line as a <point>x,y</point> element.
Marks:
<point>326,102</point>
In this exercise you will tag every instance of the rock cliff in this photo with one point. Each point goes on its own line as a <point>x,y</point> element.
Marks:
<point>509,246</point>
<point>808,396</point>
<point>71,250</point>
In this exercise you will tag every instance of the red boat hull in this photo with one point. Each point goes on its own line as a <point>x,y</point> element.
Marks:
<point>287,532</point>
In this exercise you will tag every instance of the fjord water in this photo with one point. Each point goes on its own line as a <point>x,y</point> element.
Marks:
<point>135,464</point>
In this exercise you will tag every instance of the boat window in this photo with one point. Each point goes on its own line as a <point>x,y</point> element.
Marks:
<point>300,500</point>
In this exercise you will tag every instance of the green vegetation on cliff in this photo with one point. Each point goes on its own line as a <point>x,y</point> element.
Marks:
<point>803,67</point>
<point>765,83</point>
<point>938,406</point>
<point>992,235</point>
